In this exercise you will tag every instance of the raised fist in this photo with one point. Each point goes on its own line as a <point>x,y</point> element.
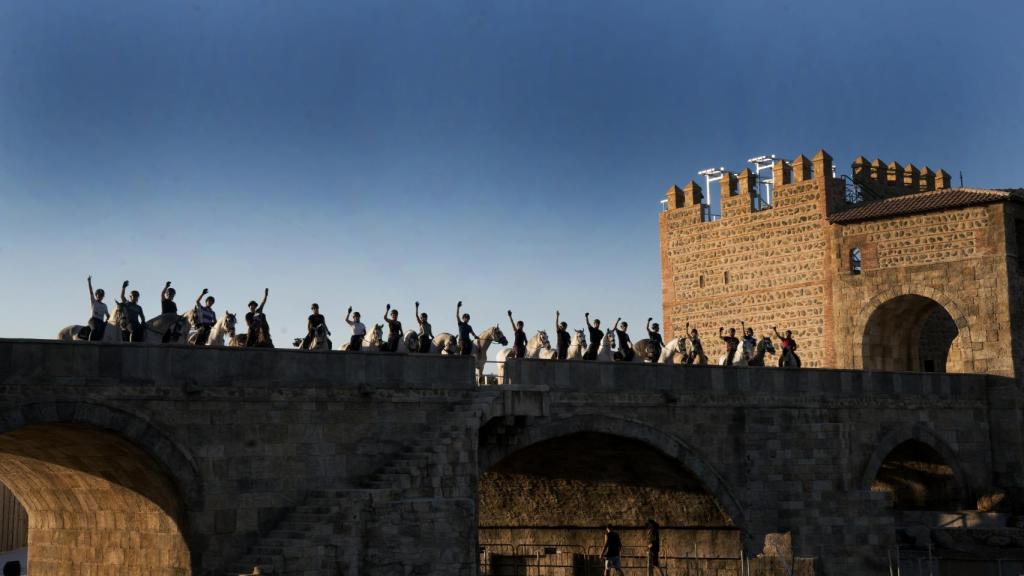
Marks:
<point>649,319</point>
<point>389,307</point>
<point>206,290</point>
<point>349,309</point>
<point>168,283</point>
<point>89,278</point>
<point>266,291</point>
<point>125,285</point>
<point>509,312</point>
<point>460,303</point>
<point>417,304</point>
<point>587,314</point>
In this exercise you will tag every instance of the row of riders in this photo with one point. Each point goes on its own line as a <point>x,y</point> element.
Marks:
<point>201,327</point>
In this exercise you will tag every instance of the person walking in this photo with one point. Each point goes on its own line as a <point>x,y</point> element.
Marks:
<point>136,319</point>
<point>426,337</point>
<point>655,343</point>
<point>205,318</point>
<point>98,313</point>
<point>519,340</point>
<point>255,321</point>
<point>612,551</point>
<point>594,331</point>
<point>394,330</point>
<point>731,344</point>
<point>625,345</point>
<point>355,343</point>
<point>465,331</point>
<point>562,338</point>
<point>653,548</point>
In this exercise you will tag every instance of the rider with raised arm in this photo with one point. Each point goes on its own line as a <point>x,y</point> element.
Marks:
<point>788,345</point>
<point>136,319</point>
<point>656,344</point>
<point>426,337</point>
<point>205,318</point>
<point>731,344</point>
<point>465,331</point>
<point>254,320</point>
<point>394,330</point>
<point>696,346</point>
<point>519,342</point>
<point>167,304</point>
<point>98,313</point>
<point>562,338</point>
<point>355,343</point>
<point>315,320</point>
<point>594,331</point>
<point>625,352</point>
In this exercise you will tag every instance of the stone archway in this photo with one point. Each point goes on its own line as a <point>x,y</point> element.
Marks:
<point>562,481</point>
<point>919,469</point>
<point>920,331</point>
<point>103,490</point>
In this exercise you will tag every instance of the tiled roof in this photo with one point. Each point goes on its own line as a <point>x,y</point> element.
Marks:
<point>923,202</point>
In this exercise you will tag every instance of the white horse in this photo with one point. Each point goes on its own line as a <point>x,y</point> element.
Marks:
<point>744,352</point>
<point>225,327</point>
<point>671,353</point>
<point>116,323</point>
<point>173,324</point>
<point>371,340</point>
<point>764,346</point>
<point>445,343</point>
<point>604,349</point>
<point>320,342</point>
<point>577,346</point>
<point>539,347</point>
<point>482,343</point>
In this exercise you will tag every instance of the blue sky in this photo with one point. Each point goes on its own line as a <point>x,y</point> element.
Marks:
<point>509,154</point>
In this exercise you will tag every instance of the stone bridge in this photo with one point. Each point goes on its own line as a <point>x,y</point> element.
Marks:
<point>165,460</point>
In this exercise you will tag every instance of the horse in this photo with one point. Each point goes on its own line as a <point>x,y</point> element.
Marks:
<point>167,324</point>
<point>744,352</point>
<point>695,356</point>
<point>577,346</point>
<point>371,340</point>
<point>539,347</point>
<point>482,343</point>
<point>445,343</point>
<point>764,346</point>
<point>410,342</point>
<point>673,352</point>
<point>116,324</point>
<point>225,326</point>
<point>788,359</point>
<point>604,349</point>
<point>320,342</point>
<point>263,339</point>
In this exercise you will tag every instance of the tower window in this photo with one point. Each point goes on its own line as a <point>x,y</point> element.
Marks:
<point>855,261</point>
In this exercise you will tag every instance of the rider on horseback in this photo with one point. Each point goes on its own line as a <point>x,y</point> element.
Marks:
<point>748,336</point>
<point>205,318</point>
<point>594,331</point>
<point>655,341</point>
<point>99,313</point>
<point>696,346</point>
<point>731,344</point>
<point>394,330</point>
<point>788,347</point>
<point>625,352</point>
<point>168,306</point>
<point>562,334</point>
<point>519,344</point>
<point>315,320</point>
<point>255,320</point>
<point>426,331</point>
<point>136,319</point>
<point>355,344</point>
<point>465,331</point>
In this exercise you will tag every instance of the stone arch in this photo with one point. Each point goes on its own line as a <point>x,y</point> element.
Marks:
<point>921,301</point>
<point>81,467</point>
<point>923,435</point>
<point>661,441</point>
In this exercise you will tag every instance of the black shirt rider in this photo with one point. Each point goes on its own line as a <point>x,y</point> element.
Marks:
<point>562,336</point>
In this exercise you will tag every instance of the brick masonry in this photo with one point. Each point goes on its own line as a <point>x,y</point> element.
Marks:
<point>954,271</point>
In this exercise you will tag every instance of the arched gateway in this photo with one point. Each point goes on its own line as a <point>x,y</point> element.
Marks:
<point>915,333</point>
<point>97,500</point>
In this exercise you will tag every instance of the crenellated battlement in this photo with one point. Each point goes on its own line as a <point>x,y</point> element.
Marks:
<point>894,179</point>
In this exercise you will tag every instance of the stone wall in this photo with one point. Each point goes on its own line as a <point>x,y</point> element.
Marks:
<point>955,259</point>
<point>766,268</point>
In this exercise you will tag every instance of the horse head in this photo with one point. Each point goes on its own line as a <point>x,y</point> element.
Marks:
<point>494,333</point>
<point>766,345</point>
<point>580,339</point>
<point>120,318</point>
<point>377,334</point>
<point>229,322</point>
<point>609,338</point>
<point>542,336</point>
